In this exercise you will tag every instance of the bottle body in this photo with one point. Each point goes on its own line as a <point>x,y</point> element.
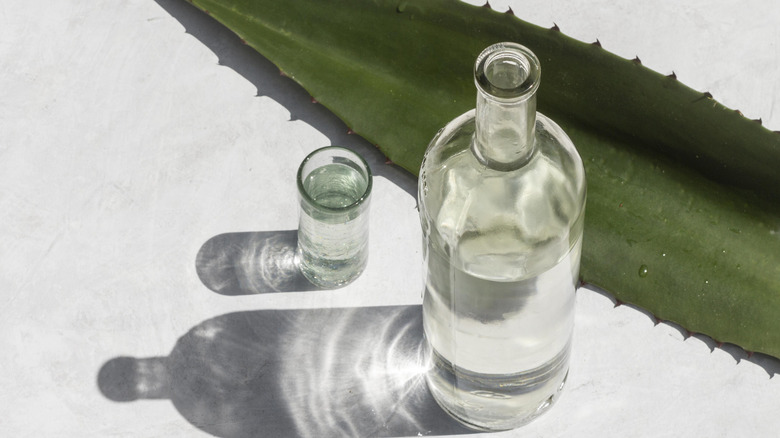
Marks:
<point>501,251</point>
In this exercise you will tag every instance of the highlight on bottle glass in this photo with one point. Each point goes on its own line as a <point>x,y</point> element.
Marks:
<point>334,187</point>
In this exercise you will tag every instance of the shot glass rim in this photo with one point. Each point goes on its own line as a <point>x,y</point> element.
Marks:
<point>358,202</point>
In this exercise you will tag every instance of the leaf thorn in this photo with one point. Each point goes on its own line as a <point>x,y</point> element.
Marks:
<point>487,5</point>
<point>708,95</point>
<point>555,27</point>
<point>510,11</point>
<point>637,61</point>
<point>672,76</point>
<point>313,100</point>
<point>596,43</point>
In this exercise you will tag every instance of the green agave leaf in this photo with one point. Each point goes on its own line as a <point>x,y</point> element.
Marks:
<point>683,216</point>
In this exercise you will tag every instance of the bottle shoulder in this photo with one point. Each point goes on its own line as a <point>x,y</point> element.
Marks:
<point>450,167</point>
<point>486,215</point>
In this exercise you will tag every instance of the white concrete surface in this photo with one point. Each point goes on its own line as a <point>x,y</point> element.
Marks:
<point>125,147</point>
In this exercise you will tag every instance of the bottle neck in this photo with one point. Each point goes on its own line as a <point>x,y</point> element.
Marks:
<point>505,132</point>
<point>507,77</point>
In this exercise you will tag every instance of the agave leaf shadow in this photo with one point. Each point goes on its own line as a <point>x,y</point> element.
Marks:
<point>265,76</point>
<point>300,372</point>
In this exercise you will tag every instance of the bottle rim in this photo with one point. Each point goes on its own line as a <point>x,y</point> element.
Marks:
<point>507,71</point>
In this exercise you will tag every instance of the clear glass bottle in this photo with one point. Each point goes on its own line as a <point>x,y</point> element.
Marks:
<point>502,198</point>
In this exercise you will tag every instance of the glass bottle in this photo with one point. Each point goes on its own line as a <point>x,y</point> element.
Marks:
<point>502,198</point>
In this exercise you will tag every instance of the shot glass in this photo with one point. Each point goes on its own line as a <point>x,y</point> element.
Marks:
<point>334,187</point>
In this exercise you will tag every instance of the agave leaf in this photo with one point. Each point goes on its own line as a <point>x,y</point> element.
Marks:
<point>682,215</point>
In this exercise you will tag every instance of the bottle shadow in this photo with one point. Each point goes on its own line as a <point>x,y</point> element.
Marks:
<point>265,76</point>
<point>310,373</point>
<point>246,263</point>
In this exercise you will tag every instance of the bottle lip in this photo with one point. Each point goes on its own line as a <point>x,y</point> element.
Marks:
<point>507,71</point>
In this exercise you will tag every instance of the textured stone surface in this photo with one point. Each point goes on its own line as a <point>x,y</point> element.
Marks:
<point>147,164</point>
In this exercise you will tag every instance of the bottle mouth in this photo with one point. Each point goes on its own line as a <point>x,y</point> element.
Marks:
<point>507,71</point>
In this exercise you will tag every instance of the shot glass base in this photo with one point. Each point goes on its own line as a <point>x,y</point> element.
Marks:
<point>330,274</point>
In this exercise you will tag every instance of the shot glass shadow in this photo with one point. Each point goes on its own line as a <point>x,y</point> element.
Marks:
<point>251,263</point>
<point>293,373</point>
